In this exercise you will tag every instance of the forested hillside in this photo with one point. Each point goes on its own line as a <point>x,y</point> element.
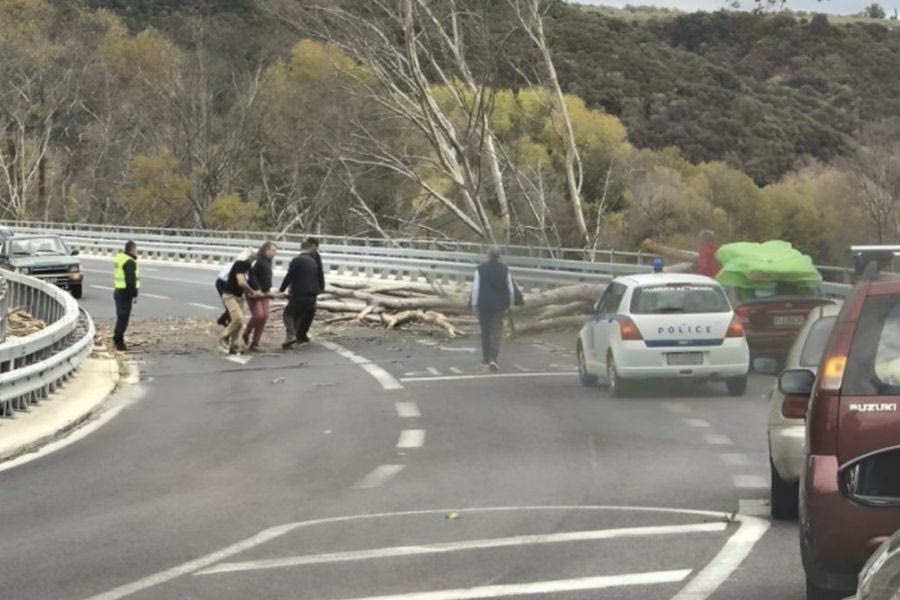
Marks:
<point>278,114</point>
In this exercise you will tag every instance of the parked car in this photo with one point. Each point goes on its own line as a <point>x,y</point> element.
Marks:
<point>660,326</point>
<point>880,578</point>
<point>45,257</point>
<point>787,414</point>
<point>850,485</point>
<point>772,318</point>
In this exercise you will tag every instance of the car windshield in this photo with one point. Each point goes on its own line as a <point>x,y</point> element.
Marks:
<point>815,342</point>
<point>679,298</point>
<point>873,365</point>
<point>37,246</point>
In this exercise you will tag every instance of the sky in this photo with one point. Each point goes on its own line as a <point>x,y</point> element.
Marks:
<point>838,7</point>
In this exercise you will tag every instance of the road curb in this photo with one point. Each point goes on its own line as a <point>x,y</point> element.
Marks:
<point>76,402</point>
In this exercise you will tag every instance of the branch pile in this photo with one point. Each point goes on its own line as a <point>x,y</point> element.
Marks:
<point>392,304</point>
<point>21,323</point>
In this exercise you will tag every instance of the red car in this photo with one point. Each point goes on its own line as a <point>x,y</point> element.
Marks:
<point>850,485</point>
<point>771,322</point>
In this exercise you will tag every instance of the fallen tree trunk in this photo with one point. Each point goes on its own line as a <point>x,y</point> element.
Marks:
<point>583,292</point>
<point>556,324</point>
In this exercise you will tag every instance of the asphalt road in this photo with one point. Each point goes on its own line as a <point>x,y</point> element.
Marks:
<point>393,468</point>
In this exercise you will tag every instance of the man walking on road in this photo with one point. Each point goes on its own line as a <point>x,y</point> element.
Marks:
<point>318,258</point>
<point>305,285</point>
<point>493,292</point>
<point>233,298</point>
<point>126,282</point>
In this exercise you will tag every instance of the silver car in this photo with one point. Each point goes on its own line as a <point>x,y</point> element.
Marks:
<point>787,414</point>
<point>880,578</point>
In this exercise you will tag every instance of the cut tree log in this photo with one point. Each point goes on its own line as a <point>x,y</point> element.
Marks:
<point>586,292</point>
<point>579,307</point>
<point>557,324</point>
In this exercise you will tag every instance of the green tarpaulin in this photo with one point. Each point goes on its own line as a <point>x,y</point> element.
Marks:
<point>764,266</point>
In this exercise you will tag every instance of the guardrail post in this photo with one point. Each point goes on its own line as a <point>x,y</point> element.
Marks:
<point>3,292</point>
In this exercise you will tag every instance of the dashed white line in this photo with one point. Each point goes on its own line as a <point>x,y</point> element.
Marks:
<point>433,371</point>
<point>411,438</point>
<point>387,381</point>
<point>750,481</point>
<point>676,407</point>
<point>520,368</point>
<point>447,547</point>
<point>204,306</point>
<point>716,439</point>
<point>696,423</point>
<point>735,460</point>
<point>155,296</point>
<point>407,410</point>
<point>487,376</point>
<point>102,287</point>
<point>378,477</point>
<point>456,370</point>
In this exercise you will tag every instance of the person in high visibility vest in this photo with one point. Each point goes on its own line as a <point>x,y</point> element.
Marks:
<point>126,282</point>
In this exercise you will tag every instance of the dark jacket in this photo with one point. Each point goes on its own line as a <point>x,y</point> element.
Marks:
<point>130,268</point>
<point>318,258</point>
<point>261,274</point>
<point>492,291</point>
<point>302,277</point>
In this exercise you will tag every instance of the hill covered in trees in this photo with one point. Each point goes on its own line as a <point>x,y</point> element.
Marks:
<point>556,126</point>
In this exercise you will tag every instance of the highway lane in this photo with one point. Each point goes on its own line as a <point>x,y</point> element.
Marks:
<point>214,453</point>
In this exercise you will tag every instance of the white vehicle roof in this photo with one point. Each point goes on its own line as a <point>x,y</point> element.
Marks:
<point>666,279</point>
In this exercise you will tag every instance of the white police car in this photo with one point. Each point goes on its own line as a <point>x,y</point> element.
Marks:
<point>663,326</point>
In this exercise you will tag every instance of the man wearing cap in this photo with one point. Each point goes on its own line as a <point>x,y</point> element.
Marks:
<point>126,282</point>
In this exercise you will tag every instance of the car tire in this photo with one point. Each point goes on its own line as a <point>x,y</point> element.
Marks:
<point>815,592</point>
<point>785,497</point>
<point>617,387</point>
<point>584,378</point>
<point>76,291</point>
<point>737,386</point>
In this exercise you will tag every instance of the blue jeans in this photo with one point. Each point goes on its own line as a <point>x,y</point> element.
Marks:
<point>123,314</point>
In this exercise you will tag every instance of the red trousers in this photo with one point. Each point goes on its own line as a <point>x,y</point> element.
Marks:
<point>259,314</point>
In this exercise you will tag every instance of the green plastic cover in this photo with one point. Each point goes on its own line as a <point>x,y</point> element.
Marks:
<point>764,266</point>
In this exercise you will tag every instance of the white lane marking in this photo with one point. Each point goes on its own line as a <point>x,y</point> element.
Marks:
<point>456,370</point>
<point>445,547</point>
<point>378,477</point>
<point>750,481</point>
<point>457,349</point>
<point>735,460</point>
<point>269,534</point>
<point>155,296</point>
<point>411,438</point>
<point>520,368</point>
<point>543,587</point>
<point>716,439</point>
<point>488,376</point>
<point>205,306</point>
<point>407,410</point>
<point>387,381</point>
<point>696,423</point>
<point>676,407</point>
<point>433,371</point>
<point>755,508</point>
<point>105,288</point>
<point>238,358</point>
<point>726,562</point>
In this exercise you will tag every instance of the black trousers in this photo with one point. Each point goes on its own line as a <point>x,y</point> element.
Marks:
<point>491,334</point>
<point>123,315</point>
<point>298,317</point>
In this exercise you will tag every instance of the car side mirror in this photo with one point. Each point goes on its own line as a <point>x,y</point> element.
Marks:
<point>796,382</point>
<point>75,253</point>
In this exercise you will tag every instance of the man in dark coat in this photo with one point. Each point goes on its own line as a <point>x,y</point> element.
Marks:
<point>493,292</point>
<point>303,281</point>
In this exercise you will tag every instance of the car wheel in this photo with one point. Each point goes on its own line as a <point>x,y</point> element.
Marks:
<point>815,592</point>
<point>75,290</point>
<point>584,378</point>
<point>785,497</point>
<point>617,387</point>
<point>737,386</point>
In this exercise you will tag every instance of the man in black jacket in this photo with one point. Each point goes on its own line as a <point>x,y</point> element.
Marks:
<point>303,281</point>
<point>315,254</point>
<point>493,292</point>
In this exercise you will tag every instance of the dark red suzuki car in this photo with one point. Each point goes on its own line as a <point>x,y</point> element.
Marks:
<point>850,487</point>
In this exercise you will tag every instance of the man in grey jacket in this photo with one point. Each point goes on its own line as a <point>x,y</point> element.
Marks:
<point>493,292</point>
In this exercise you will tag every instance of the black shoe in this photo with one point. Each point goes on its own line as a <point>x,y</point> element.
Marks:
<point>304,340</point>
<point>288,345</point>
<point>121,347</point>
<point>223,321</point>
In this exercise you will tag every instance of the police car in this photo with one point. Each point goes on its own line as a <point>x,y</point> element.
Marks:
<point>663,326</point>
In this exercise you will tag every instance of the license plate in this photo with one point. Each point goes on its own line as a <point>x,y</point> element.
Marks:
<point>681,359</point>
<point>789,321</point>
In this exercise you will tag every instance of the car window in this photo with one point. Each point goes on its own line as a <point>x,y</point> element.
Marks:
<point>873,365</point>
<point>37,246</point>
<point>612,299</point>
<point>815,342</point>
<point>775,290</point>
<point>679,298</point>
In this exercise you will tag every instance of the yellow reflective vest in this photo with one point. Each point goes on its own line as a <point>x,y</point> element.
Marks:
<point>119,272</point>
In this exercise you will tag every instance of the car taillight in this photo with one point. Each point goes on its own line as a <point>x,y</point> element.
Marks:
<point>795,407</point>
<point>832,376</point>
<point>735,328</point>
<point>742,313</point>
<point>629,330</point>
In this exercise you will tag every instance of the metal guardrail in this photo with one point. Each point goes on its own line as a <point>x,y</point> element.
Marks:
<point>32,367</point>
